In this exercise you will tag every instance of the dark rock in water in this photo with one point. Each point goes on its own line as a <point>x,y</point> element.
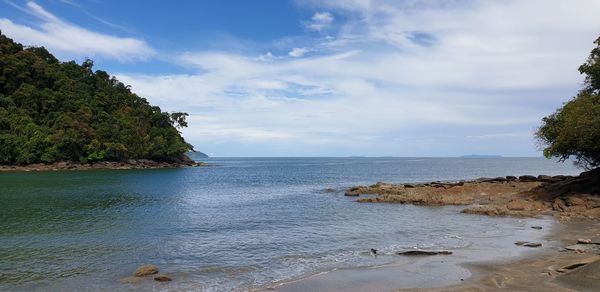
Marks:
<point>424,252</point>
<point>162,278</point>
<point>536,227</point>
<point>520,242</point>
<point>146,270</point>
<point>355,191</point>
<point>574,266</point>
<point>532,244</point>
<point>527,178</point>
<point>373,251</point>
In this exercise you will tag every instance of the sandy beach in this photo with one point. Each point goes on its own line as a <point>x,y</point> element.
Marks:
<point>489,265</point>
<point>556,248</point>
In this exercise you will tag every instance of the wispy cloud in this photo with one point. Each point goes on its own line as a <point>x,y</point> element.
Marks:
<point>64,37</point>
<point>411,69</point>
<point>320,21</point>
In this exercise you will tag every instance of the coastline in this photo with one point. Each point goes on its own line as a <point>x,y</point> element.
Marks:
<point>129,164</point>
<point>556,261</point>
<point>472,269</point>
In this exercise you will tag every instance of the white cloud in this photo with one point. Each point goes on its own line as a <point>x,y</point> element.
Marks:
<point>65,38</point>
<point>298,52</point>
<point>320,21</point>
<point>434,73</point>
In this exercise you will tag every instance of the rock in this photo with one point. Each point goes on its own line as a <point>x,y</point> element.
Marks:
<point>516,205</point>
<point>532,244</point>
<point>146,270</point>
<point>424,252</point>
<point>355,191</point>
<point>499,179</point>
<point>162,278</point>
<point>559,205</point>
<point>581,247</point>
<point>527,178</point>
<point>574,266</point>
<point>373,251</point>
<point>575,201</point>
<point>584,241</point>
<point>537,227</point>
<point>511,178</point>
<point>520,242</point>
<point>409,186</point>
<point>544,178</point>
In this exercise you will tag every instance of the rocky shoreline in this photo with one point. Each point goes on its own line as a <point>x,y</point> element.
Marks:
<point>562,196</point>
<point>129,164</point>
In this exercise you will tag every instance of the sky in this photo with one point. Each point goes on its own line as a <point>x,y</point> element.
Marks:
<point>332,78</point>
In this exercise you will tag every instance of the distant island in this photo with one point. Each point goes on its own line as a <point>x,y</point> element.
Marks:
<point>55,112</point>
<point>480,156</point>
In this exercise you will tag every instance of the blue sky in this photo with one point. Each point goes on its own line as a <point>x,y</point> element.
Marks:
<point>332,78</point>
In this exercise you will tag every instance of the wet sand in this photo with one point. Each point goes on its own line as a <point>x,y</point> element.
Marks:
<point>431,272</point>
<point>489,264</point>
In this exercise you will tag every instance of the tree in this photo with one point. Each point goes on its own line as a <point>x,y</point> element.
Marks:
<point>574,129</point>
<point>63,111</point>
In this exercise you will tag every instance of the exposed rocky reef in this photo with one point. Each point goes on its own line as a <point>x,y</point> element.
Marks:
<point>560,195</point>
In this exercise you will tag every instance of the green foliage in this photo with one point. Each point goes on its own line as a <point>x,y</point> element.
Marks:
<point>52,111</point>
<point>574,129</point>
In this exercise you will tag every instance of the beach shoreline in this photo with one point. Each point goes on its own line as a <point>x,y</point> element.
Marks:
<point>554,262</point>
<point>129,164</point>
<point>521,269</point>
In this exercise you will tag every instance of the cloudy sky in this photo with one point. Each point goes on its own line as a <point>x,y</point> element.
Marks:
<point>336,77</point>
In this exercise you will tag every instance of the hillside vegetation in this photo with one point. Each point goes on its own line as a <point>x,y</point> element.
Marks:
<point>53,111</point>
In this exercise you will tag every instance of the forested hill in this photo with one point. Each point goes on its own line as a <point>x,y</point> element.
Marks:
<point>53,111</point>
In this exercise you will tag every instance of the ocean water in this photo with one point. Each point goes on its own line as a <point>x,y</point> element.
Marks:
<point>240,224</point>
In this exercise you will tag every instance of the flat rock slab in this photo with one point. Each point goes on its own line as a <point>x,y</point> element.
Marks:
<point>582,278</point>
<point>582,247</point>
<point>532,244</point>
<point>424,252</point>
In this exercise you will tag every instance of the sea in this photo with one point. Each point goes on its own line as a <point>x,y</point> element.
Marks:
<point>239,224</point>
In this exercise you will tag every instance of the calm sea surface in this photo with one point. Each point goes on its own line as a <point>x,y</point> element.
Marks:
<point>241,224</point>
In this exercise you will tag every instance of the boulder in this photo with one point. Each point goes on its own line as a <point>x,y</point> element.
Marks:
<point>536,227</point>
<point>146,270</point>
<point>527,178</point>
<point>544,178</point>
<point>532,244</point>
<point>162,278</point>
<point>584,241</point>
<point>575,201</point>
<point>559,205</point>
<point>511,178</point>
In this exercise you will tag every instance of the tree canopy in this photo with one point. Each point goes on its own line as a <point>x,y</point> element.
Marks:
<point>54,111</point>
<point>574,129</point>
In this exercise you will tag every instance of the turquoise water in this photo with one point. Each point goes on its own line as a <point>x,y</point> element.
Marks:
<point>240,224</point>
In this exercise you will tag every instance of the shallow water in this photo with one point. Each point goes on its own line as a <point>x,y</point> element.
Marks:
<point>242,224</point>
